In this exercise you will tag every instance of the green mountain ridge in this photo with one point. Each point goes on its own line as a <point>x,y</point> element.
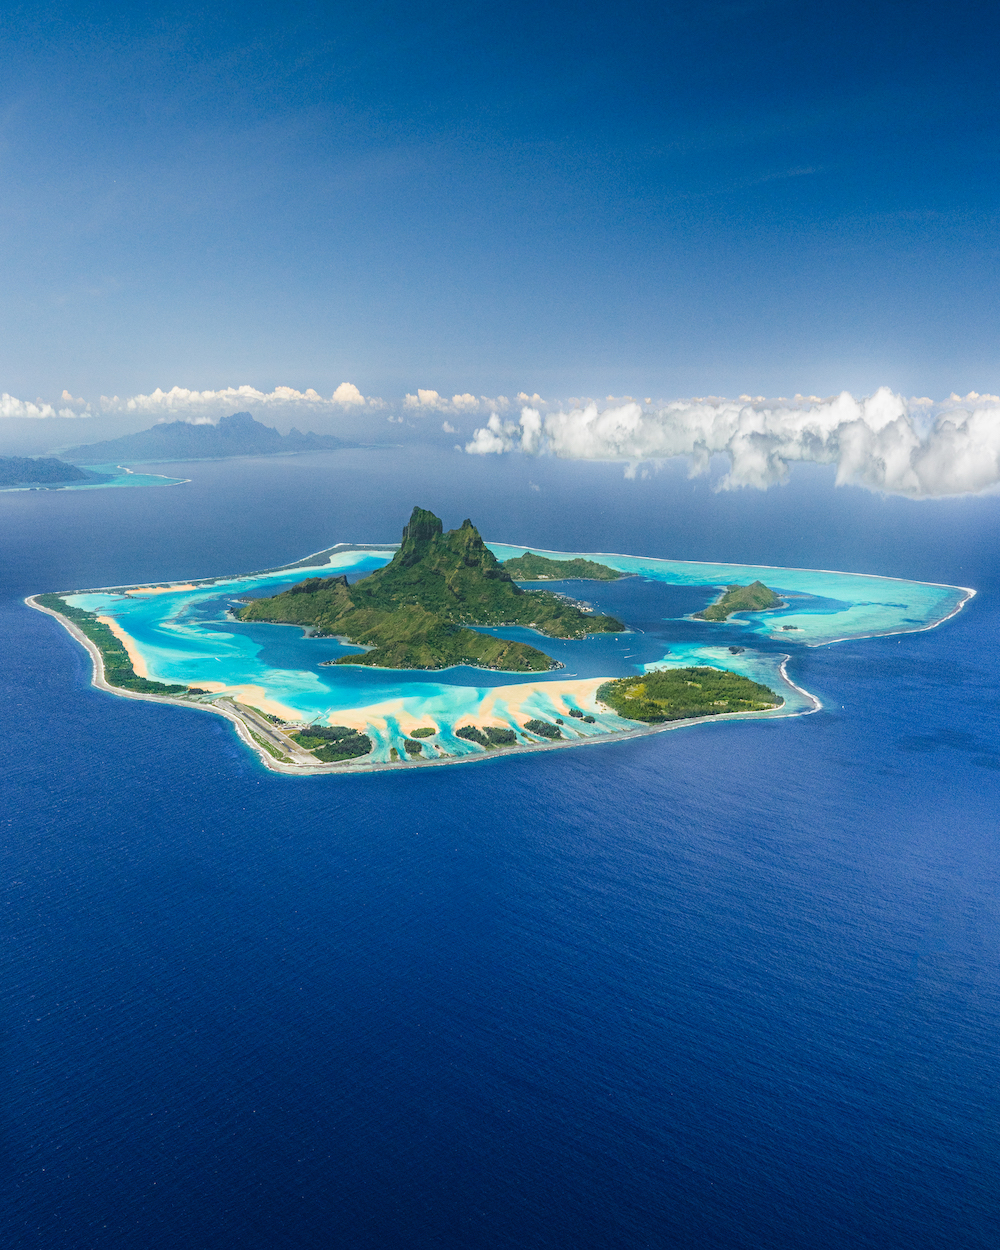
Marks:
<point>414,612</point>
<point>529,568</point>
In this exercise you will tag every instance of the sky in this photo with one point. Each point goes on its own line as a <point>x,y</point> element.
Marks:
<point>556,201</point>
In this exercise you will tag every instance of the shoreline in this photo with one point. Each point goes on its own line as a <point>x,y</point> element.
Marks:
<point>791,568</point>
<point>270,741</point>
<point>249,735</point>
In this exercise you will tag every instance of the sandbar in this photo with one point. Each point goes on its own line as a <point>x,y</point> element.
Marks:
<point>129,643</point>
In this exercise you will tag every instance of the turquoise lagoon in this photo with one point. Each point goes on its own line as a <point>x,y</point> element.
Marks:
<point>123,476</point>
<point>120,476</point>
<point>186,634</point>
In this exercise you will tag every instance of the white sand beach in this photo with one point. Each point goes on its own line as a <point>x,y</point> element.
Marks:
<point>129,643</point>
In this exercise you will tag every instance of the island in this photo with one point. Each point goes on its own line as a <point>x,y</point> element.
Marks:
<point>684,694</point>
<point>532,568</point>
<point>208,645</point>
<point>415,612</point>
<point>116,661</point>
<point>235,435</point>
<point>753,598</point>
<point>45,473</point>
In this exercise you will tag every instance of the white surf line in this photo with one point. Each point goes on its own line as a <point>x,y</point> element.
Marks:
<point>817,706</point>
<point>791,568</point>
<point>778,568</point>
<point>919,629</point>
<point>170,481</point>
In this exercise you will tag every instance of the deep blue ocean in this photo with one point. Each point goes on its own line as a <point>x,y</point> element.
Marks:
<point>732,986</point>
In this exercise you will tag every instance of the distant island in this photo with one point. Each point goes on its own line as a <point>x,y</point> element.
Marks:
<point>753,598</point>
<point>531,568</point>
<point>413,613</point>
<point>236,435</point>
<point>684,694</point>
<point>46,472</point>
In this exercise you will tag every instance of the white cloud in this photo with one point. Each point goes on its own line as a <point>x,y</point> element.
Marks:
<point>497,436</point>
<point>347,393</point>
<point>425,399</point>
<point>209,405</point>
<point>448,427</point>
<point>12,407</point>
<point>201,407</point>
<point>883,442</point>
<point>431,401</point>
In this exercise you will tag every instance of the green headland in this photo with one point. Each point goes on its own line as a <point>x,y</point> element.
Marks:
<point>530,568</point>
<point>753,598</point>
<point>414,612</point>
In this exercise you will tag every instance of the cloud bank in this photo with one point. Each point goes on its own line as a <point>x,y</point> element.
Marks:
<point>21,408</point>
<point>884,442</point>
<point>180,403</point>
<point>913,447</point>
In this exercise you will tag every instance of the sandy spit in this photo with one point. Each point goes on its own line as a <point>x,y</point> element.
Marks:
<point>128,642</point>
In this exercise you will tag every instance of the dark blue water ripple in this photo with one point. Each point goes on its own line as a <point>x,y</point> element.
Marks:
<point>734,986</point>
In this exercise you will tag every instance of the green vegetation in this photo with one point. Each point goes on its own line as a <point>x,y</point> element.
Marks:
<point>271,750</point>
<point>753,598</point>
<point>423,733</point>
<point>118,670</point>
<point>44,471</point>
<point>333,743</point>
<point>543,728</point>
<point>411,747</point>
<point>348,749</point>
<point>413,612</point>
<point>683,693</point>
<point>488,737</point>
<point>530,568</point>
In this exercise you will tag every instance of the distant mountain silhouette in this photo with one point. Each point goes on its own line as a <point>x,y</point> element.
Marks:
<point>238,435</point>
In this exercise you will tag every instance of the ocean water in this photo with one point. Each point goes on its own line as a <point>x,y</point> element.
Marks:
<point>734,986</point>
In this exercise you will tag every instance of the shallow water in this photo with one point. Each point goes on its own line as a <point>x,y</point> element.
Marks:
<point>186,635</point>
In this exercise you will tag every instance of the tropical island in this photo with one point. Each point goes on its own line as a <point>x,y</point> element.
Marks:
<point>685,693</point>
<point>415,612</point>
<point>45,472</point>
<point>436,597</point>
<point>235,435</point>
<point>532,568</point>
<point>753,598</point>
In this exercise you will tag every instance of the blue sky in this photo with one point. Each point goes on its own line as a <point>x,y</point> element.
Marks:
<point>647,199</point>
